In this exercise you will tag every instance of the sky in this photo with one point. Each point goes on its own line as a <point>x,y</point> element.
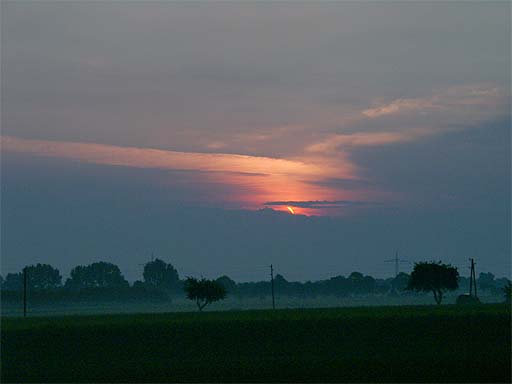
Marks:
<point>185,130</point>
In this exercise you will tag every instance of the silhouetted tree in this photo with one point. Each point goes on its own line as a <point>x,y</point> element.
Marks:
<point>501,283</point>
<point>433,277</point>
<point>464,283</point>
<point>486,281</point>
<point>507,293</point>
<point>39,277</point>
<point>43,276</point>
<point>368,284</point>
<point>227,283</point>
<point>159,274</point>
<point>281,285</point>
<point>13,282</point>
<point>138,284</point>
<point>96,275</point>
<point>399,283</point>
<point>204,291</point>
<point>356,276</point>
<point>337,285</point>
<point>358,283</point>
<point>355,281</point>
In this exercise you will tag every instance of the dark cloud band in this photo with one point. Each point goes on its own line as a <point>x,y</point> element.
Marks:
<point>321,204</point>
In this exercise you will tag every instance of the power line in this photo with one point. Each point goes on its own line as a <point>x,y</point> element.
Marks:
<point>397,261</point>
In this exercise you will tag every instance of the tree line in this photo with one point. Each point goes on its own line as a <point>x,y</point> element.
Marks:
<point>161,280</point>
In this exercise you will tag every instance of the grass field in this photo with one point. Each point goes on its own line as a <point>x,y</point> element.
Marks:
<point>384,344</point>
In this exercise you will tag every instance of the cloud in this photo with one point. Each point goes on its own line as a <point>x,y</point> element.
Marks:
<point>366,139</point>
<point>251,179</point>
<point>161,159</point>
<point>346,184</point>
<point>450,100</point>
<point>215,145</point>
<point>399,106</point>
<point>409,119</point>
<point>322,204</point>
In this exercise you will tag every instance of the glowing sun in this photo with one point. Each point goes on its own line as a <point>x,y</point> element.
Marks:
<point>290,209</point>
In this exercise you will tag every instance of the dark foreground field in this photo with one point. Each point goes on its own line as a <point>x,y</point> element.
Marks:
<point>385,344</point>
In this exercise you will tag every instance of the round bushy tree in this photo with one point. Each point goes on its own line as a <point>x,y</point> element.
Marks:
<point>434,277</point>
<point>227,283</point>
<point>159,274</point>
<point>96,275</point>
<point>43,276</point>
<point>204,291</point>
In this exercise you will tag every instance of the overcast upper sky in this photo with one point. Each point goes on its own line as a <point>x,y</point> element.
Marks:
<point>186,129</point>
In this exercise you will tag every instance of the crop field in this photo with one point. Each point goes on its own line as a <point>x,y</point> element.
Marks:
<point>362,344</point>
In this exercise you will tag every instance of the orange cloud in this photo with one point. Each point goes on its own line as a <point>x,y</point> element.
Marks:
<point>162,159</point>
<point>333,142</point>
<point>452,100</point>
<point>254,179</point>
<point>399,106</point>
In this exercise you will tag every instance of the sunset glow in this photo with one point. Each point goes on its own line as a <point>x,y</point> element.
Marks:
<point>272,164</point>
<point>316,136</point>
<point>246,181</point>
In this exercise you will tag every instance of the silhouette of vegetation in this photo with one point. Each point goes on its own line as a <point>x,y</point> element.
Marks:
<point>507,293</point>
<point>159,274</point>
<point>96,275</point>
<point>13,282</point>
<point>228,284</point>
<point>43,276</point>
<point>399,283</point>
<point>39,277</point>
<point>104,282</point>
<point>487,282</point>
<point>433,277</point>
<point>204,291</point>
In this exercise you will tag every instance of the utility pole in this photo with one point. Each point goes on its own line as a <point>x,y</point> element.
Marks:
<point>474,275</point>
<point>25,292</point>
<point>472,278</point>
<point>397,261</point>
<point>272,285</point>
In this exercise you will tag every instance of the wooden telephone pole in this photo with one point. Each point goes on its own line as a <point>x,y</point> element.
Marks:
<point>272,285</point>
<point>472,279</point>
<point>25,292</point>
